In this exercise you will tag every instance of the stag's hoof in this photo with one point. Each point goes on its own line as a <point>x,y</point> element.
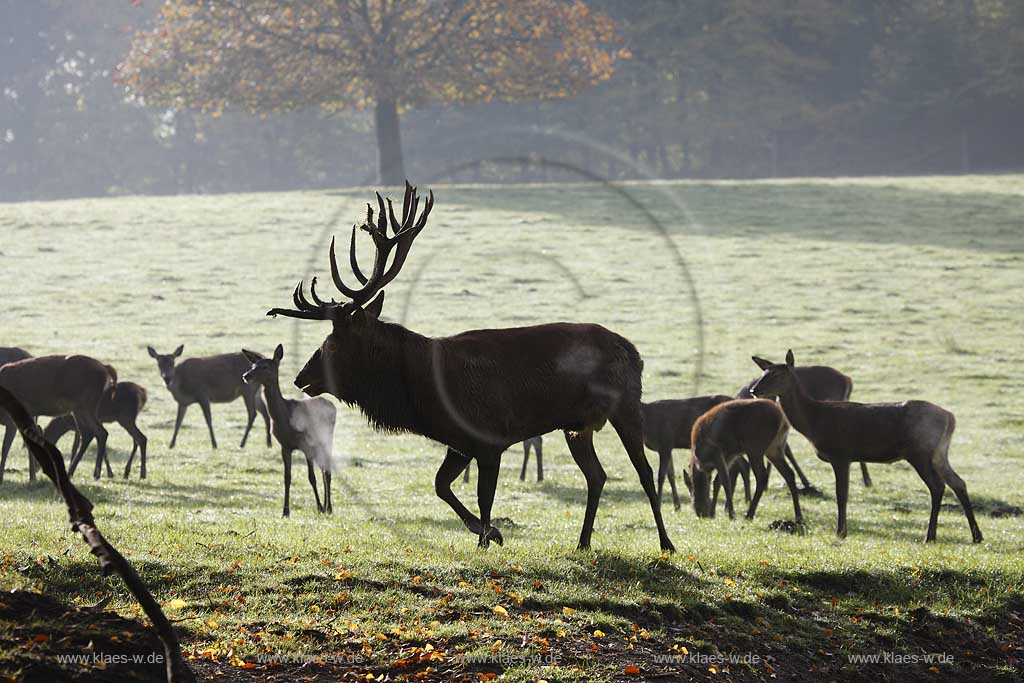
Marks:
<point>286,513</point>
<point>978,538</point>
<point>667,547</point>
<point>492,534</point>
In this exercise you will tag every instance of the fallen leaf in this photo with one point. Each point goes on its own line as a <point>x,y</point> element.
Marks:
<point>568,611</point>
<point>632,670</point>
<point>498,609</point>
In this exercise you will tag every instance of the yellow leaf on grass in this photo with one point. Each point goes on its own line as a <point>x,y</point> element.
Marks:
<point>598,633</point>
<point>177,603</point>
<point>568,611</point>
<point>498,609</point>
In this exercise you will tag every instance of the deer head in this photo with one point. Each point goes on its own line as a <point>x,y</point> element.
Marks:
<point>353,320</point>
<point>263,370</point>
<point>165,362</point>
<point>776,379</point>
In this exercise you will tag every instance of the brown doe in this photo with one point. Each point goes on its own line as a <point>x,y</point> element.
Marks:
<point>305,425</point>
<point>206,380</point>
<point>122,404</point>
<point>754,427</point>
<point>843,432</point>
<point>477,392</point>
<point>821,383</point>
<point>59,385</point>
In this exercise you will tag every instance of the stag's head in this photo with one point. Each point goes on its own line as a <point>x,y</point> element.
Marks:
<point>263,370</point>
<point>775,379</point>
<point>330,368</point>
<point>165,362</point>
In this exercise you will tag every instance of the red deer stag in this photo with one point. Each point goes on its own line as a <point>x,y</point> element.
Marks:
<point>122,404</point>
<point>306,425</point>
<point>206,380</point>
<point>821,383</point>
<point>843,432</point>
<point>477,392</point>
<point>754,427</point>
<point>59,385</point>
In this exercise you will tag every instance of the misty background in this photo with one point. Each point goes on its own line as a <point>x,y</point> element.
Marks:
<point>698,89</point>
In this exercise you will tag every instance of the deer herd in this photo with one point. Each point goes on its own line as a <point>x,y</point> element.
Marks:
<point>482,391</point>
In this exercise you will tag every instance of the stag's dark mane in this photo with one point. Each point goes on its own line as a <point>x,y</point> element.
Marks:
<point>387,377</point>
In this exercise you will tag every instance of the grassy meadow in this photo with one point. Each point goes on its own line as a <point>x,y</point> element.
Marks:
<point>912,286</point>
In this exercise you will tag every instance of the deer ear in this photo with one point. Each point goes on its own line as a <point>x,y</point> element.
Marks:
<point>761,362</point>
<point>177,351</point>
<point>152,352</point>
<point>789,358</point>
<point>278,353</point>
<point>374,308</point>
<point>251,356</point>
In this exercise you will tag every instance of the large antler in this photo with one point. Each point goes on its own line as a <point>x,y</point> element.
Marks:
<point>400,242</point>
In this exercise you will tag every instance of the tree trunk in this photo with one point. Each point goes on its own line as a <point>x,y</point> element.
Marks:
<point>389,142</point>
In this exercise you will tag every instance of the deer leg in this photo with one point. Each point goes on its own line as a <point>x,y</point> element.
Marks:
<point>8,441</point>
<point>538,447</point>
<point>487,469</point>
<point>453,465</point>
<point>250,411</point>
<point>182,407</point>
<point>723,473</point>
<point>286,457</point>
<point>138,443</point>
<point>312,482</point>
<point>864,474</point>
<point>760,470</point>
<point>841,468</point>
<point>796,466</point>
<point>526,459</point>
<point>742,467</point>
<point>716,486</point>
<point>581,446</point>
<point>628,425</point>
<point>328,503</point>
<point>672,482</point>
<point>261,407</point>
<point>779,458</point>
<point>101,451</point>
<point>204,405</point>
<point>937,488</point>
<point>945,471</point>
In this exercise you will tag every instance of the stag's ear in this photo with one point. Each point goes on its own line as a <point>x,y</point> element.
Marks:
<point>374,308</point>
<point>251,356</point>
<point>789,358</point>
<point>177,351</point>
<point>761,362</point>
<point>152,352</point>
<point>278,353</point>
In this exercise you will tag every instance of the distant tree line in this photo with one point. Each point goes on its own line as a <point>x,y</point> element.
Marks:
<point>680,89</point>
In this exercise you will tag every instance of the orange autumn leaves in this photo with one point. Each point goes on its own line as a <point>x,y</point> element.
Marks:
<point>271,55</point>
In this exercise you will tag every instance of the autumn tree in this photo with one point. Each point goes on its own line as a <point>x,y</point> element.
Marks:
<point>277,55</point>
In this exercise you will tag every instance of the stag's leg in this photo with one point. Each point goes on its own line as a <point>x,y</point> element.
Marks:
<point>628,425</point>
<point>760,470</point>
<point>8,441</point>
<point>841,468</point>
<point>204,405</point>
<point>286,457</point>
<point>453,465</point>
<point>250,414</point>
<point>779,458</point>
<point>487,469</point>
<point>312,482</point>
<point>804,481</point>
<point>581,446</point>
<point>526,459</point>
<point>538,447</point>
<point>182,407</point>
<point>864,474</point>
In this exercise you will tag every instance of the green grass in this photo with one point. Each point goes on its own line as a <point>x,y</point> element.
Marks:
<point>911,286</point>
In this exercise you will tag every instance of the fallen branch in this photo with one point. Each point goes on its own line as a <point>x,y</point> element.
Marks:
<point>80,513</point>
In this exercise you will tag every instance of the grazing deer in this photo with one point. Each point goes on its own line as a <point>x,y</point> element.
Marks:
<point>477,392</point>
<point>754,427</point>
<point>822,383</point>
<point>206,380</point>
<point>58,385</point>
<point>537,443</point>
<point>843,432</point>
<point>305,425</point>
<point>122,404</point>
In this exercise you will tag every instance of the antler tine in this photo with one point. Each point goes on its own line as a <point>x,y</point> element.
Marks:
<point>352,258</point>
<point>302,315</point>
<point>316,299</point>
<point>404,241</point>
<point>382,217</point>
<point>300,300</point>
<point>409,191</point>
<point>304,309</point>
<point>336,276</point>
